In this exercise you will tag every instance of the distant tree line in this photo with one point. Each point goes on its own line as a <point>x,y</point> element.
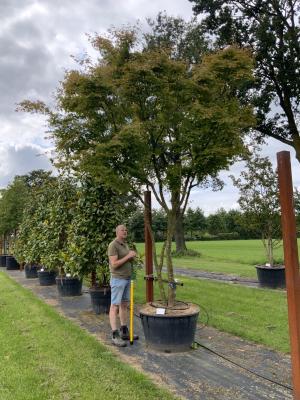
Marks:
<point>221,225</point>
<point>217,226</point>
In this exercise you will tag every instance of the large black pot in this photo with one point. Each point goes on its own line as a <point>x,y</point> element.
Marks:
<point>31,271</point>
<point>271,277</point>
<point>170,333</point>
<point>47,278</point>
<point>100,298</point>
<point>68,286</point>
<point>3,260</point>
<point>11,263</point>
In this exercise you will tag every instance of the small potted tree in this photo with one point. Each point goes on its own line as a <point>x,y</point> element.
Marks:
<point>27,246</point>
<point>97,213</point>
<point>60,213</point>
<point>258,186</point>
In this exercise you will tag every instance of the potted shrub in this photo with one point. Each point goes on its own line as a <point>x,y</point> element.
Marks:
<point>98,211</point>
<point>58,214</point>
<point>29,246</point>
<point>258,186</point>
<point>26,247</point>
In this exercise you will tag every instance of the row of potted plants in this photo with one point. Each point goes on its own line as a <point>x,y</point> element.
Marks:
<point>63,238</point>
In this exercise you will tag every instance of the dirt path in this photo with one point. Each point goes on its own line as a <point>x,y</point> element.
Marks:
<point>233,279</point>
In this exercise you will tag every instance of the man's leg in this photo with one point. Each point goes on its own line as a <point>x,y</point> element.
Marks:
<point>117,288</point>
<point>123,313</point>
<point>113,316</point>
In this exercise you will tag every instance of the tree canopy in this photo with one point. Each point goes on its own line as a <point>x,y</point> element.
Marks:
<point>271,30</point>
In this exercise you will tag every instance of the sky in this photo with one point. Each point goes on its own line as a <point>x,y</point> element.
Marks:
<point>37,39</point>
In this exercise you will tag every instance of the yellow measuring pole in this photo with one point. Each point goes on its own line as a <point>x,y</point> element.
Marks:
<point>131,312</point>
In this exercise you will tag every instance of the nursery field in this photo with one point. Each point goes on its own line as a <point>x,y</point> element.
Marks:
<point>44,356</point>
<point>236,257</point>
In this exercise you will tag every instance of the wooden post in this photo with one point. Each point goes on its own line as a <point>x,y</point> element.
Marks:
<point>148,247</point>
<point>288,223</point>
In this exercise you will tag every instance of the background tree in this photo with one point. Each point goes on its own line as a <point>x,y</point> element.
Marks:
<point>186,39</point>
<point>12,203</point>
<point>236,223</point>
<point>259,201</point>
<point>37,178</point>
<point>140,118</point>
<point>135,225</point>
<point>159,224</point>
<point>271,30</point>
<point>216,222</point>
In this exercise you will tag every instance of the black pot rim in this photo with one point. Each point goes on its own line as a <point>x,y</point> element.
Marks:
<point>191,314</point>
<point>100,289</point>
<point>67,278</point>
<point>271,268</point>
<point>51,271</point>
<point>31,266</point>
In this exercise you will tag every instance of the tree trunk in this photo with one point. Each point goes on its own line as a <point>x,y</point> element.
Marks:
<point>171,280</point>
<point>179,234</point>
<point>93,279</point>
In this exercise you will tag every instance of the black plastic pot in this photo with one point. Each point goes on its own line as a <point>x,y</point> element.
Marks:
<point>3,260</point>
<point>47,278</point>
<point>170,333</point>
<point>68,286</point>
<point>100,299</point>
<point>271,277</point>
<point>31,271</point>
<point>11,263</point>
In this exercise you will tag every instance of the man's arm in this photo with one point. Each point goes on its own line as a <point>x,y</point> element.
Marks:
<point>115,263</point>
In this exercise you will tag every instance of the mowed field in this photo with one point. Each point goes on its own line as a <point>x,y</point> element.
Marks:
<point>232,257</point>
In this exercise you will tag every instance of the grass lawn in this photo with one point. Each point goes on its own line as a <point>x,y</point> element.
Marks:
<point>44,356</point>
<point>235,257</point>
<point>259,315</point>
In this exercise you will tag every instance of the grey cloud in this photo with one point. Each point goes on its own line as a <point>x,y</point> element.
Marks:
<point>21,160</point>
<point>38,37</point>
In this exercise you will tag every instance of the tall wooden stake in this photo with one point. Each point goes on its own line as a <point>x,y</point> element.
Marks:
<point>288,223</point>
<point>148,247</point>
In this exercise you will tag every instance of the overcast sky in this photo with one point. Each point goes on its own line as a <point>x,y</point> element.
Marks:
<point>36,41</point>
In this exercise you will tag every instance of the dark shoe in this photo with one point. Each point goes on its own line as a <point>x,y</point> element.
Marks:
<point>124,333</point>
<point>117,340</point>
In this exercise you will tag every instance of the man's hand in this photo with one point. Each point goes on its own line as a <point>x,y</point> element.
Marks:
<point>131,254</point>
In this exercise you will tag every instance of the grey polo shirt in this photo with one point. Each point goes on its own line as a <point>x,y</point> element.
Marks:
<point>119,249</point>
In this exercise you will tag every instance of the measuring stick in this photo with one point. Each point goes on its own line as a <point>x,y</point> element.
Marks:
<point>131,312</point>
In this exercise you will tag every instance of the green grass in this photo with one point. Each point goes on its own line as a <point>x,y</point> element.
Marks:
<point>44,356</point>
<point>259,315</point>
<point>232,257</point>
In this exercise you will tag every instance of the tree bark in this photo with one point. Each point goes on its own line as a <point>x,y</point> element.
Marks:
<point>179,234</point>
<point>171,280</point>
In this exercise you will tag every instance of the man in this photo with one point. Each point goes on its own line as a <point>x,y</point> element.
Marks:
<point>120,257</point>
